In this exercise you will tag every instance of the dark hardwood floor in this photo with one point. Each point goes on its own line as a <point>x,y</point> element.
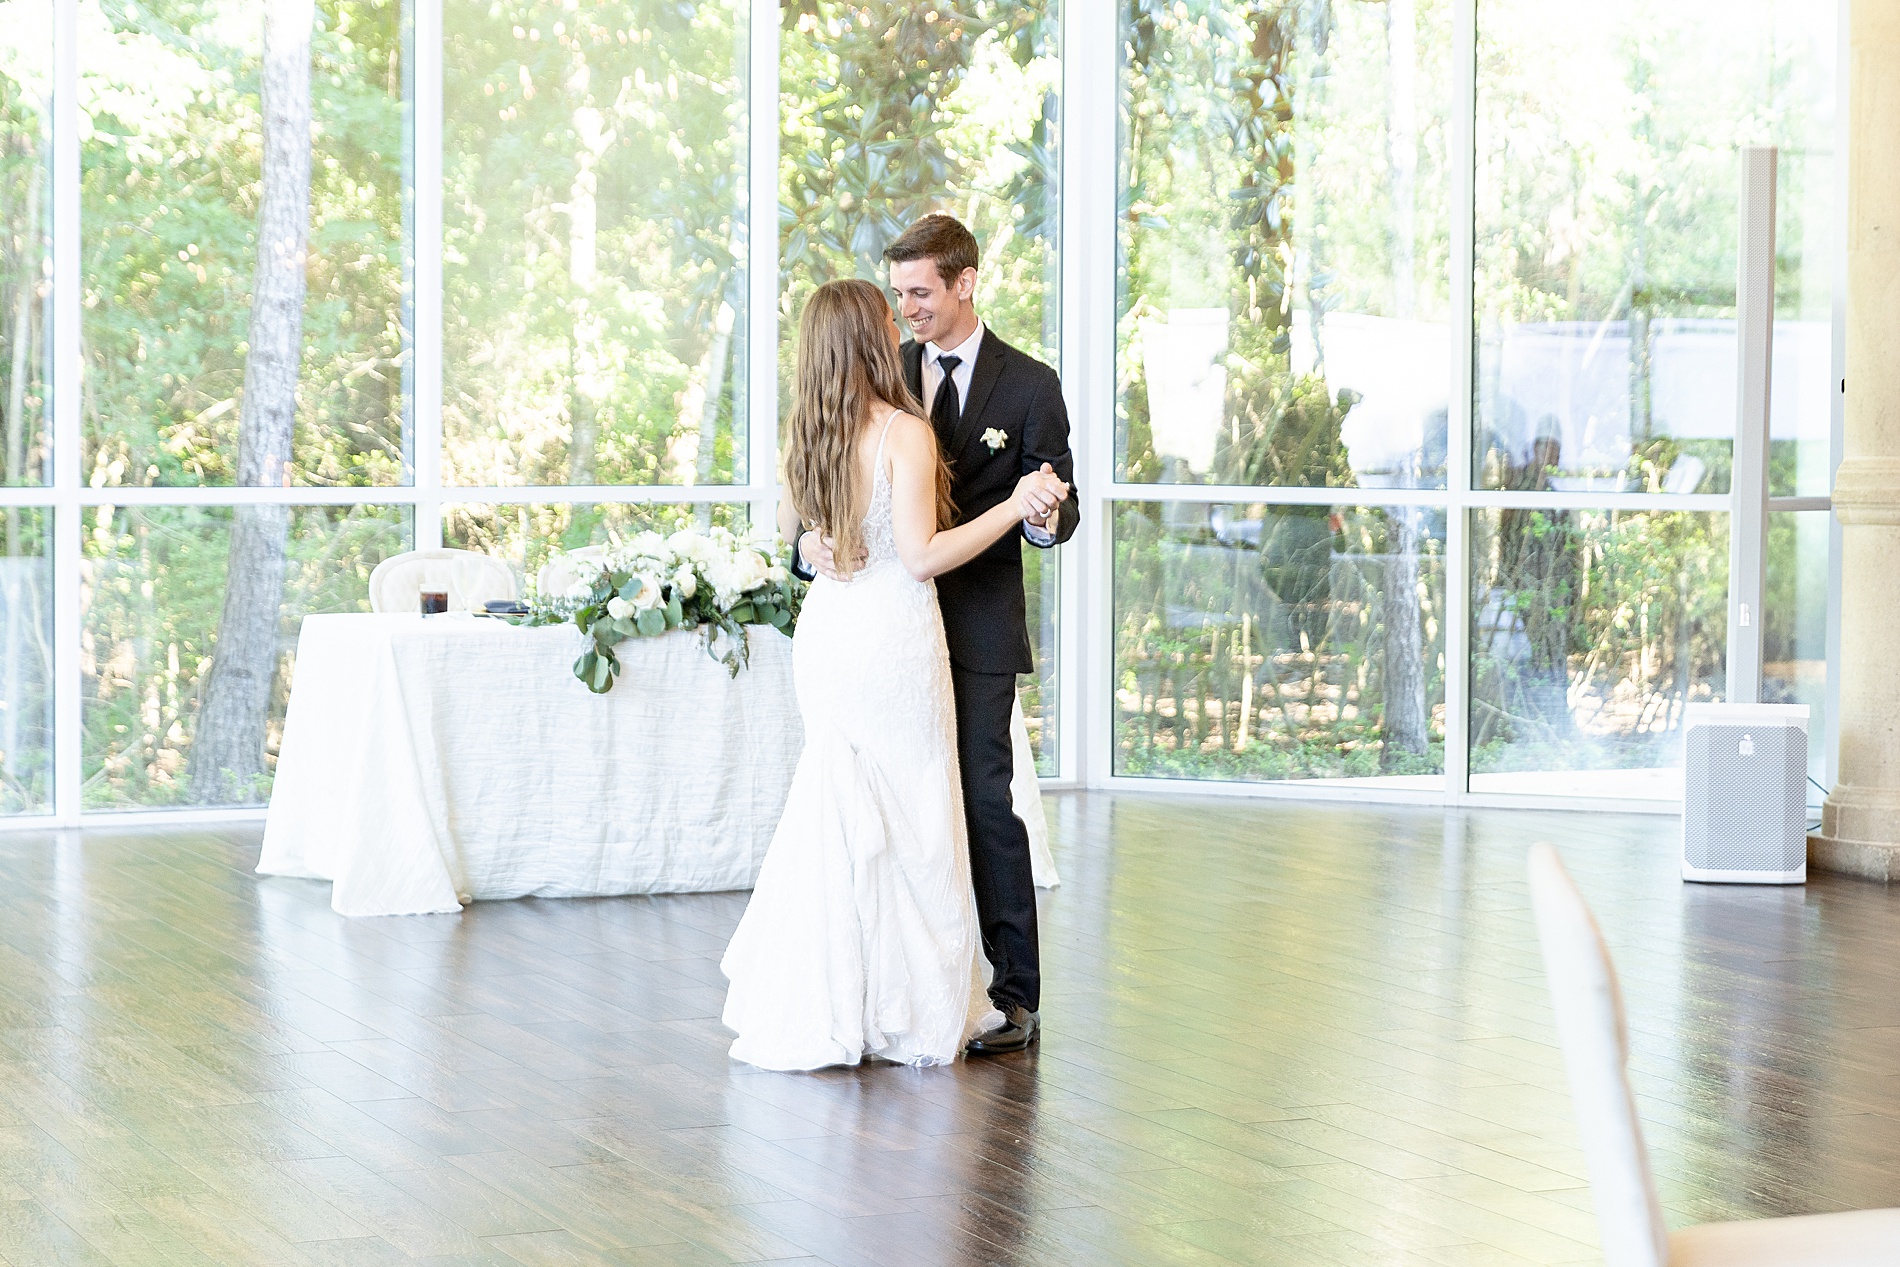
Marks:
<point>1275,1034</point>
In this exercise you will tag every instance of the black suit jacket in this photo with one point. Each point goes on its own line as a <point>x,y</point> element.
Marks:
<point>984,618</point>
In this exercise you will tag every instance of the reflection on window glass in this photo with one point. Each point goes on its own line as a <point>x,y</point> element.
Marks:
<point>1794,626</point>
<point>153,584</point>
<point>1591,631</point>
<point>1606,222</point>
<point>26,662</point>
<point>526,534</point>
<point>26,63</point>
<point>594,205</point>
<point>1279,642</point>
<point>1283,316</point>
<point>894,110</point>
<point>173,176</point>
<point>1042,592</point>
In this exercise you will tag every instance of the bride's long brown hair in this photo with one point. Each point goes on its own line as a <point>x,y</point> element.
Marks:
<point>846,365</point>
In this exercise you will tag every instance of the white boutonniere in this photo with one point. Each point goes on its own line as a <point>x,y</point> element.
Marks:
<point>996,438</point>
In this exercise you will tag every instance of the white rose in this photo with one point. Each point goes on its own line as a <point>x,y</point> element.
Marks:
<point>777,574</point>
<point>752,570</point>
<point>649,592</point>
<point>619,608</point>
<point>685,584</point>
<point>719,575</point>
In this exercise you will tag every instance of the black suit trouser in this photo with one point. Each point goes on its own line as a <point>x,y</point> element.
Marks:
<point>999,843</point>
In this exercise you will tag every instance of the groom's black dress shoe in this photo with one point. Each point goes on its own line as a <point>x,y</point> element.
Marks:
<point>1019,1029</point>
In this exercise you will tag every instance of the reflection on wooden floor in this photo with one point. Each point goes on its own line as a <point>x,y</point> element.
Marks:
<point>1276,1033</point>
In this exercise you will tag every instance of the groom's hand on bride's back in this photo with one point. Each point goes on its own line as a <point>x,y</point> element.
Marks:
<point>815,549</point>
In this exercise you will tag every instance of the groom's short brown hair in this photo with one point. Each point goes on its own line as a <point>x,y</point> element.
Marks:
<point>940,238</point>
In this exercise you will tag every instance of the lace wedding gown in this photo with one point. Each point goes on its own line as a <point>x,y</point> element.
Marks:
<point>861,935</point>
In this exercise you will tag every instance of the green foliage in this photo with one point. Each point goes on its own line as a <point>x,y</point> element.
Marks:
<point>594,242</point>
<point>1252,642</point>
<point>152,581</point>
<point>1592,631</point>
<point>1232,199</point>
<point>169,171</point>
<point>26,662</point>
<point>652,586</point>
<point>892,109</point>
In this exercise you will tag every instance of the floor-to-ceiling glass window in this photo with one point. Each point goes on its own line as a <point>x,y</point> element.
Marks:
<point>26,583</point>
<point>594,261</point>
<point>1604,296</point>
<point>1283,341</point>
<point>594,269</point>
<point>243,319</point>
<point>897,108</point>
<point>1327,559</point>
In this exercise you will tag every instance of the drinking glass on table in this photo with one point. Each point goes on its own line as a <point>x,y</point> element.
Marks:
<point>434,601</point>
<point>465,582</point>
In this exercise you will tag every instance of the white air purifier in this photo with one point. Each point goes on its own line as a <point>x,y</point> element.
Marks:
<point>1745,793</point>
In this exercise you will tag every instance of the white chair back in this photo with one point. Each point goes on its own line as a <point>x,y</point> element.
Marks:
<point>562,572</point>
<point>1590,1025</point>
<point>471,580</point>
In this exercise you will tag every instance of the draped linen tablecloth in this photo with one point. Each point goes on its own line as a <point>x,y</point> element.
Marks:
<point>429,762</point>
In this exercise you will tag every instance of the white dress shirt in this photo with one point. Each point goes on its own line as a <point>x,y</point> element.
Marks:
<point>965,352</point>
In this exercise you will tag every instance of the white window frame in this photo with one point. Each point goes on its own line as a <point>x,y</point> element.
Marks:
<point>1094,88</point>
<point>1084,720</point>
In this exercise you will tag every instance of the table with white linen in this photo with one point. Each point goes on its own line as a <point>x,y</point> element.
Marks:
<point>431,761</point>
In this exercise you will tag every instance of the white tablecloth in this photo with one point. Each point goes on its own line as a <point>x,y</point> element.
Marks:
<point>426,762</point>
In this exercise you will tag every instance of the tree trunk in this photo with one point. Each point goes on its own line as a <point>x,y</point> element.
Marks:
<point>1406,726</point>
<point>227,754</point>
<point>592,378</point>
<point>20,342</point>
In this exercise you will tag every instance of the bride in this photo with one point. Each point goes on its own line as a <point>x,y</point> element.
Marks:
<point>861,935</point>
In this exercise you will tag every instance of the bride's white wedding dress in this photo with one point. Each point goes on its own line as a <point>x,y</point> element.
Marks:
<point>861,936</point>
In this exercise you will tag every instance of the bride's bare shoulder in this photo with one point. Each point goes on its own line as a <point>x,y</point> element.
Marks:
<point>909,431</point>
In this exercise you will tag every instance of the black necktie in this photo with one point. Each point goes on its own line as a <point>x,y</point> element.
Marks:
<point>946,411</point>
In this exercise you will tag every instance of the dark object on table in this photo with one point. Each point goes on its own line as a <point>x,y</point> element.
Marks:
<point>434,602</point>
<point>504,607</point>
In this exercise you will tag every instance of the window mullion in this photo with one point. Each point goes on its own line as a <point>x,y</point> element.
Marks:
<point>1458,483</point>
<point>1091,42</point>
<point>762,258</point>
<point>426,138</point>
<point>67,369</point>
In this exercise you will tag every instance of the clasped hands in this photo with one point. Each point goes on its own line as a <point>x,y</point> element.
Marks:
<point>1037,494</point>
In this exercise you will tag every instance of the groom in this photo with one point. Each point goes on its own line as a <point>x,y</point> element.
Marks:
<point>998,414</point>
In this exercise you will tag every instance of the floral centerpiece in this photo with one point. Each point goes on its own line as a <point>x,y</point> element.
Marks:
<point>716,581</point>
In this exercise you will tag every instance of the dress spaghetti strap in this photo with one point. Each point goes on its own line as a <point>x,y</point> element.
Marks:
<point>877,461</point>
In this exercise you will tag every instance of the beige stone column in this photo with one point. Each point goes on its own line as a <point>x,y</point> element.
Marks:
<point>1860,823</point>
